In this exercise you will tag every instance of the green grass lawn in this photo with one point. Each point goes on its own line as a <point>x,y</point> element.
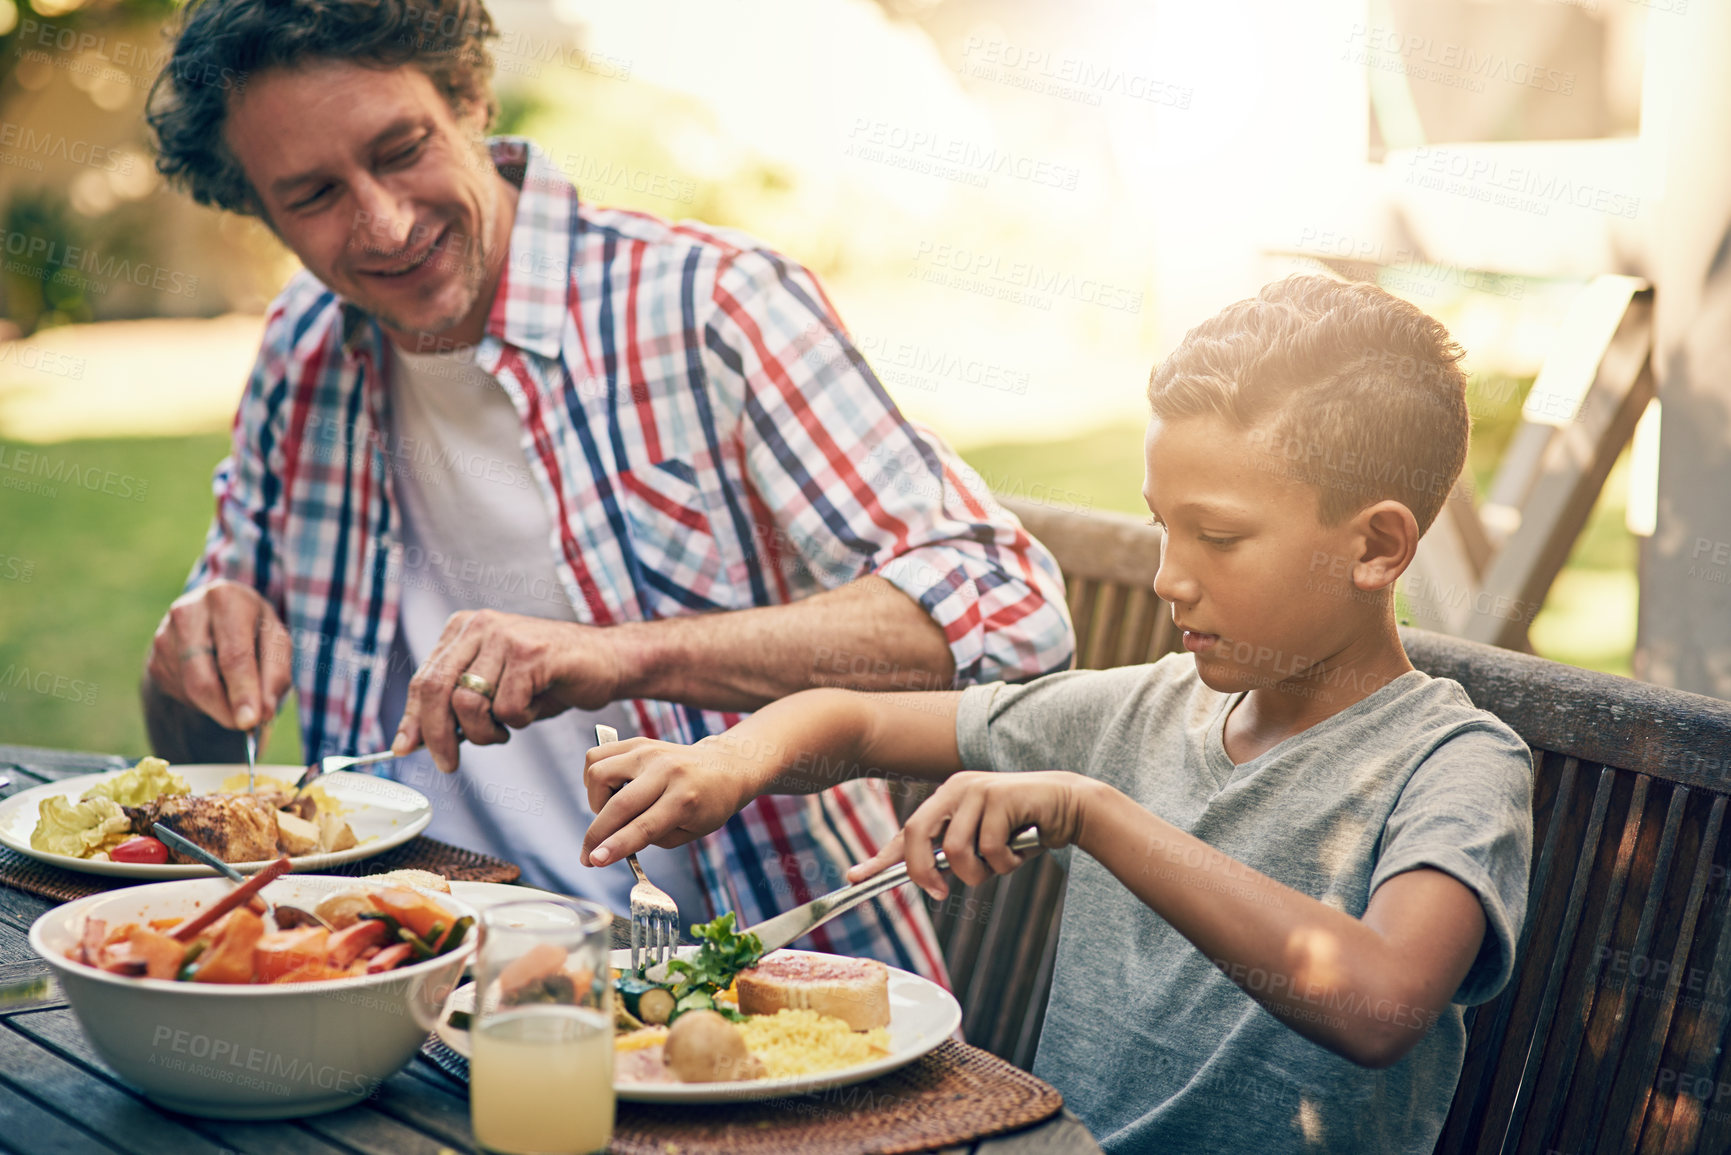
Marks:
<point>85,574</point>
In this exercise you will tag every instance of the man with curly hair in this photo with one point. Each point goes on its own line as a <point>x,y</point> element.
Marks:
<point>563,464</point>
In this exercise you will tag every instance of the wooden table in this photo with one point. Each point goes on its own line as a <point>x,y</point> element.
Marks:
<point>57,1096</point>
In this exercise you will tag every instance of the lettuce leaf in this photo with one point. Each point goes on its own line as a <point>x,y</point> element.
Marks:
<point>81,828</point>
<point>149,780</point>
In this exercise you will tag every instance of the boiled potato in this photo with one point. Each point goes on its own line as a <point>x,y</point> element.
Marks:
<point>703,1047</point>
<point>295,835</point>
<point>344,908</point>
<point>334,833</point>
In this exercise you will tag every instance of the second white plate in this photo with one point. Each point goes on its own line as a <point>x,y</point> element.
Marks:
<point>922,1015</point>
<point>383,814</point>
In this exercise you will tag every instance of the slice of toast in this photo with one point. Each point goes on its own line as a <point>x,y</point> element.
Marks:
<point>854,990</point>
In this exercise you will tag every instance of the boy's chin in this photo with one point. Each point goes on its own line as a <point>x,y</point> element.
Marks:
<point>1225,678</point>
<point>1229,678</point>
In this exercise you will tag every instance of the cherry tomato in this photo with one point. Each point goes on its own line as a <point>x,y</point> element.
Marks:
<point>140,849</point>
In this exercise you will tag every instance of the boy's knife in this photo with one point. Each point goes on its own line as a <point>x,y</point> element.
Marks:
<point>777,932</point>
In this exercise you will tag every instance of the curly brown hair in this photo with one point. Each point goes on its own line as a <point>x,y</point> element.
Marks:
<point>223,42</point>
<point>1342,385</point>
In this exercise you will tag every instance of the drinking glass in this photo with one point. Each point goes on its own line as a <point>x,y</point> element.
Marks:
<point>541,1068</point>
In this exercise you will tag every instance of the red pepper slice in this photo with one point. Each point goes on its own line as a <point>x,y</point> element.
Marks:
<point>141,849</point>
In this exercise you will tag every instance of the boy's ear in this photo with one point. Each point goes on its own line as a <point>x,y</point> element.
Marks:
<point>1389,533</point>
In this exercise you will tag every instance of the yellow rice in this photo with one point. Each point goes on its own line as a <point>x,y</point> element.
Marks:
<point>794,1043</point>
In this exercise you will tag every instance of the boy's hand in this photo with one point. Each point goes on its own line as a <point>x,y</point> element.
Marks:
<point>976,815</point>
<point>645,792</point>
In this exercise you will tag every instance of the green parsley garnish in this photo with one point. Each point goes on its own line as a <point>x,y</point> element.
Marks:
<point>723,952</point>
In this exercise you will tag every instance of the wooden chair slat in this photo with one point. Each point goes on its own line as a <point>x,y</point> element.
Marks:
<point>1636,1084</point>
<point>1101,639</point>
<point>1549,914</point>
<point>962,945</point>
<point>995,967</point>
<point>1560,962</point>
<point>1034,1019</point>
<point>1084,592</point>
<point>1488,1033</point>
<point>1686,1125</point>
<point>982,999</point>
<point>1565,1037</point>
<point>1045,890</point>
<point>1130,646</point>
<point>1617,1008</point>
<point>1166,638</point>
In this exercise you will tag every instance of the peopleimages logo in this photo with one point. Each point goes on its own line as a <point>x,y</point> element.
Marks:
<point>34,465</point>
<point>48,684</point>
<point>58,261</point>
<point>57,146</point>
<point>120,53</point>
<point>1483,176</point>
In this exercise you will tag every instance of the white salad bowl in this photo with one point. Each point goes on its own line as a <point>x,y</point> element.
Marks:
<point>239,1051</point>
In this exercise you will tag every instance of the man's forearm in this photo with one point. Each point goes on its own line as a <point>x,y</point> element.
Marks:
<point>866,635</point>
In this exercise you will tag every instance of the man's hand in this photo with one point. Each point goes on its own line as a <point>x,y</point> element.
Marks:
<point>976,815</point>
<point>645,792</point>
<point>222,649</point>
<point>537,667</point>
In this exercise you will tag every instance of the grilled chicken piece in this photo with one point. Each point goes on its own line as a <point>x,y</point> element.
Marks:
<point>234,827</point>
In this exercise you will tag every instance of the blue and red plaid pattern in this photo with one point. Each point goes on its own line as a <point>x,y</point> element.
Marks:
<point>705,436</point>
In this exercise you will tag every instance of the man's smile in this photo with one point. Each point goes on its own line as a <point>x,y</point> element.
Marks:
<point>403,267</point>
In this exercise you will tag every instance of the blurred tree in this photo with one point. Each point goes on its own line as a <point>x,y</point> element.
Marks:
<point>24,20</point>
<point>42,283</point>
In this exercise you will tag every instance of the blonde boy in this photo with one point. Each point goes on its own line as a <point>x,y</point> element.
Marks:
<point>1300,858</point>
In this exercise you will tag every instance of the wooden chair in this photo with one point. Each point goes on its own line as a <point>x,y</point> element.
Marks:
<point>1611,1035</point>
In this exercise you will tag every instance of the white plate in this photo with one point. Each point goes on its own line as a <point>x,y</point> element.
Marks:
<point>922,1015</point>
<point>383,813</point>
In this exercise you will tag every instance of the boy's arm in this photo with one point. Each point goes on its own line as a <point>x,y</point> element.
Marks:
<point>1366,988</point>
<point>645,792</point>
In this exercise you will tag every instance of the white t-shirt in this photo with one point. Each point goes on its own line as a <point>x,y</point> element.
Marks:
<point>477,535</point>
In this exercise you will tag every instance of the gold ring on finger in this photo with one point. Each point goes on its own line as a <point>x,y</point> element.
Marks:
<point>478,684</point>
<point>192,652</point>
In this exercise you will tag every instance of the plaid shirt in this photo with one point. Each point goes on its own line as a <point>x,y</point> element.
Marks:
<point>705,437</point>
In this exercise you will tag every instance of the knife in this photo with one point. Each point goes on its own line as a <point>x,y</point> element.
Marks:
<point>777,932</point>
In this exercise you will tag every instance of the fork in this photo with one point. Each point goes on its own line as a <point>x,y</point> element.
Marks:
<point>331,764</point>
<point>654,914</point>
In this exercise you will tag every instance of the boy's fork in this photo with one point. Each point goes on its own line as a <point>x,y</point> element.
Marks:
<point>654,914</point>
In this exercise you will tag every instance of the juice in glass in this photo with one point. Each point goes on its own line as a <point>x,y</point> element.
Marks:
<point>541,1069</point>
<point>542,1081</point>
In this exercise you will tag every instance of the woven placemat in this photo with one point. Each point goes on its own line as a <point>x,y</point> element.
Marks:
<point>419,853</point>
<point>955,1094</point>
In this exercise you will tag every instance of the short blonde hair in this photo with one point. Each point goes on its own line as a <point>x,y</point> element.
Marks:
<point>1344,386</point>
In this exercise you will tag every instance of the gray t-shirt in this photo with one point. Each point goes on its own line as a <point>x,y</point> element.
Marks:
<point>1152,1045</point>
